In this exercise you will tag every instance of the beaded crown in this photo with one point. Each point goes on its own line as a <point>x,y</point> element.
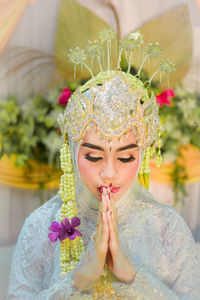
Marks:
<point>114,100</point>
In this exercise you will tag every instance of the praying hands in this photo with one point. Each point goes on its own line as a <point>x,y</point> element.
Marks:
<point>107,242</point>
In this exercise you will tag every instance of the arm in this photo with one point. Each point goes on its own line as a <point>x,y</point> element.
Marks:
<point>34,252</point>
<point>145,285</point>
<point>185,272</point>
<point>186,279</point>
<point>140,280</point>
<point>28,265</point>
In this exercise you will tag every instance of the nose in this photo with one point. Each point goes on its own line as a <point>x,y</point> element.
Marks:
<point>108,172</point>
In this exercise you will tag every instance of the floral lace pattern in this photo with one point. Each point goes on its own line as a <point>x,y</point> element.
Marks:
<point>154,237</point>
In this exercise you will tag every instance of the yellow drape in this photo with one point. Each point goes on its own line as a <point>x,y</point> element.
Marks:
<point>190,159</point>
<point>18,177</point>
<point>10,14</point>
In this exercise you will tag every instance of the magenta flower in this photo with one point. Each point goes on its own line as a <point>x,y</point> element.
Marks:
<point>64,97</point>
<point>163,98</point>
<point>64,229</point>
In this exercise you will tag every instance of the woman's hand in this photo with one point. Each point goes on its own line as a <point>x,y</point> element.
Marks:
<point>106,240</point>
<point>117,261</point>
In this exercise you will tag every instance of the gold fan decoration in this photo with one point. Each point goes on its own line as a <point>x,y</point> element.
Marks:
<point>174,33</point>
<point>76,25</point>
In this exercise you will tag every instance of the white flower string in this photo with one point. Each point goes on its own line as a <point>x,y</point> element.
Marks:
<point>70,250</point>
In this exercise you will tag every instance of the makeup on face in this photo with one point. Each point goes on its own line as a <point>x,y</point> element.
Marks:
<point>101,168</point>
<point>113,189</point>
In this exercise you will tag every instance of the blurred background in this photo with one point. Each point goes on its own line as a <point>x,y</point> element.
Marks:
<point>36,81</point>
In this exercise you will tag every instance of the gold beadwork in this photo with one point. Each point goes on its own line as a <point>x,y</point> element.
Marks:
<point>103,287</point>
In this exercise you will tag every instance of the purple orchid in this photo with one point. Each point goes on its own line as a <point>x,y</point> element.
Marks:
<point>64,229</point>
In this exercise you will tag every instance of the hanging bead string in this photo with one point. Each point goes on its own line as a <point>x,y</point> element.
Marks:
<point>70,250</point>
<point>159,158</point>
<point>144,172</point>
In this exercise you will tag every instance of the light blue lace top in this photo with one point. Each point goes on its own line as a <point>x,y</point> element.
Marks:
<point>154,237</point>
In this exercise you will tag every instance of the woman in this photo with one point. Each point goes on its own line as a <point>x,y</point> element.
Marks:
<point>127,246</point>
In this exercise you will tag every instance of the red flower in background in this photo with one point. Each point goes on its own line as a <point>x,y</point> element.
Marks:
<point>163,98</point>
<point>64,97</point>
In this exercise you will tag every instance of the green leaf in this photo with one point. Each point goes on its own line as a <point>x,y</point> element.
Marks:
<point>21,160</point>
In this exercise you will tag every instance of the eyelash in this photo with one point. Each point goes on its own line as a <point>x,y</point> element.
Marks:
<point>95,159</point>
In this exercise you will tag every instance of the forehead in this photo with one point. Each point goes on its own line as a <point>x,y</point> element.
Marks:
<point>91,136</point>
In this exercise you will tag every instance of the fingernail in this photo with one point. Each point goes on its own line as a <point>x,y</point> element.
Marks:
<point>109,195</point>
<point>101,214</point>
<point>110,212</point>
<point>101,197</point>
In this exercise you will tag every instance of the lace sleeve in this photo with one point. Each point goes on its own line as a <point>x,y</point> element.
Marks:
<point>28,265</point>
<point>185,272</point>
<point>27,280</point>
<point>79,283</point>
<point>145,285</point>
<point>88,269</point>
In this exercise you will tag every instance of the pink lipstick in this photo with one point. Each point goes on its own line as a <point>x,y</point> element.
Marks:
<point>113,189</point>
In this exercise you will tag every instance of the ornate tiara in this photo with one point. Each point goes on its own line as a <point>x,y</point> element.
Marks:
<point>114,100</point>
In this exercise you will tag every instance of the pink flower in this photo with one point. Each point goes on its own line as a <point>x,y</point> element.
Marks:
<point>64,97</point>
<point>163,98</point>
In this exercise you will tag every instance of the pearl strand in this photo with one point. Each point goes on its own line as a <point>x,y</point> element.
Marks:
<point>70,250</point>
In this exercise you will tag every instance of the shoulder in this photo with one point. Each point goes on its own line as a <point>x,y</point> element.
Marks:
<point>43,216</point>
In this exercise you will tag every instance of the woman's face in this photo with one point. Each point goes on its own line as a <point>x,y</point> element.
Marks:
<point>108,163</point>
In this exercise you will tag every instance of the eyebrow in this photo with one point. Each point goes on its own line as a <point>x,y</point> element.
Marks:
<point>96,147</point>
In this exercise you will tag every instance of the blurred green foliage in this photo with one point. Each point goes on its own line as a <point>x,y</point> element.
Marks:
<point>30,129</point>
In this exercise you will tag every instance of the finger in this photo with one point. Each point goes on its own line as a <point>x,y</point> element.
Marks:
<point>113,243</point>
<point>105,228</point>
<point>112,206</point>
<point>111,199</point>
<point>112,228</point>
<point>104,201</point>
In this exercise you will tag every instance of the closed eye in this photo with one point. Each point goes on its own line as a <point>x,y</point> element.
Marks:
<point>126,160</point>
<point>91,158</point>
<point>95,159</point>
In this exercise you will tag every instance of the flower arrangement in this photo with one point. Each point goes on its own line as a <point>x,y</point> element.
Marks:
<point>180,111</point>
<point>30,130</point>
<point>30,139</point>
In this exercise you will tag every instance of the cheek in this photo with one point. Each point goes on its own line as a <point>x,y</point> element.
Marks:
<point>87,171</point>
<point>129,172</point>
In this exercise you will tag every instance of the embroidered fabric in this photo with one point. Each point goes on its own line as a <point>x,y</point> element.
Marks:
<point>153,237</point>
